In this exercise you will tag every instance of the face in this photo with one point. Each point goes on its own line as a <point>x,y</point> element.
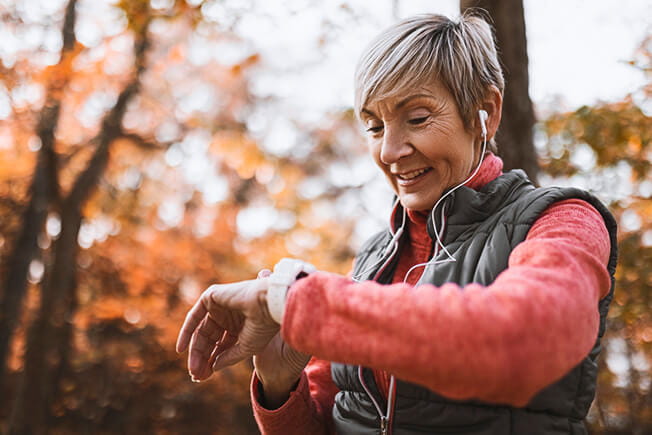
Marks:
<point>419,141</point>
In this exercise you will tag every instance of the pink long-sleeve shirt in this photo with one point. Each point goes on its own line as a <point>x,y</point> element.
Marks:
<point>500,343</point>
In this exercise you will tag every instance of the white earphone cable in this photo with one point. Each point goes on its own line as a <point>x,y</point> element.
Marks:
<point>439,234</point>
<point>394,242</point>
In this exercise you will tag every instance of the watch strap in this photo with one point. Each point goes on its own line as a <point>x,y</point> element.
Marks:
<point>286,272</point>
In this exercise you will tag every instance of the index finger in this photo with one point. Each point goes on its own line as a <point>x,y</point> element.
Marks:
<point>193,318</point>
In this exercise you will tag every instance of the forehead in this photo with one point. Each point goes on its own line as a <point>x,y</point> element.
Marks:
<point>395,99</point>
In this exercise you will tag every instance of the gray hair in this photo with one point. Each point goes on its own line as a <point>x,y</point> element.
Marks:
<point>461,54</point>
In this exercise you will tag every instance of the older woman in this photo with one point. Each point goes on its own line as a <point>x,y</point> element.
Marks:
<point>478,311</point>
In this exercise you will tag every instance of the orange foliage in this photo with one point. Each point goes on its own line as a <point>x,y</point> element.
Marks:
<point>617,138</point>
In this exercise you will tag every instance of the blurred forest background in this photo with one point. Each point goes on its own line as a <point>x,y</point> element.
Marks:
<point>140,166</point>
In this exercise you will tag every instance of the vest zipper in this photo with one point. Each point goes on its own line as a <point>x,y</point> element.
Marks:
<point>383,425</point>
<point>385,418</point>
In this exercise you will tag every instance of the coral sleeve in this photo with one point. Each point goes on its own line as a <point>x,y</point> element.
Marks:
<point>307,411</point>
<point>500,343</point>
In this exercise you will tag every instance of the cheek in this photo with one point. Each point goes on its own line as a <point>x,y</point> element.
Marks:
<point>449,144</point>
<point>374,151</point>
<point>436,140</point>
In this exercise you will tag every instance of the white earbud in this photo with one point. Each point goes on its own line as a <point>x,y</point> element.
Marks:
<point>483,121</point>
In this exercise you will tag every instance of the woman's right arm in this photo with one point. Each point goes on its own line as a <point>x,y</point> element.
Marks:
<point>308,410</point>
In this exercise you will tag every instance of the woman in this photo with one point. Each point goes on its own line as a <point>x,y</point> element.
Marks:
<point>478,311</point>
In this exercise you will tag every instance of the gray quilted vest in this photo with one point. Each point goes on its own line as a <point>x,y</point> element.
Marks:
<point>482,229</point>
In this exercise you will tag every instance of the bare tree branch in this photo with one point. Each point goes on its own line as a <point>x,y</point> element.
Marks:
<point>143,143</point>
<point>110,131</point>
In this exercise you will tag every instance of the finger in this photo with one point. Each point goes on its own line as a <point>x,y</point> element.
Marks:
<point>252,338</point>
<point>203,341</point>
<point>231,356</point>
<point>193,318</point>
<point>198,360</point>
<point>264,273</point>
<point>228,340</point>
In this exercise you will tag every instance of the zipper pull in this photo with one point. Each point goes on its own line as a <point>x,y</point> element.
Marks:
<point>383,425</point>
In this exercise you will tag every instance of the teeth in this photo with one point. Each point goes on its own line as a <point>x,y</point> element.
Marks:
<point>413,174</point>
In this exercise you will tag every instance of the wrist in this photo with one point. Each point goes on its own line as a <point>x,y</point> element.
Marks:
<point>280,377</point>
<point>286,272</point>
<point>275,392</point>
<point>277,384</point>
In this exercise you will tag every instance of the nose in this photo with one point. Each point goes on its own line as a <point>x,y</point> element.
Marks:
<point>395,146</point>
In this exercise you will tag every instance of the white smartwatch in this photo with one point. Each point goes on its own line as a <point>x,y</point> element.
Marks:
<point>286,272</point>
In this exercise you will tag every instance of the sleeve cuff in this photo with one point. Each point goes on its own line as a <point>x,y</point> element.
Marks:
<point>278,418</point>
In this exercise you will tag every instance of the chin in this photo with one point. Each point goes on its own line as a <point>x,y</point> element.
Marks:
<point>417,204</point>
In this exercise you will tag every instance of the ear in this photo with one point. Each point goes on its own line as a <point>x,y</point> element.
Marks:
<point>493,105</point>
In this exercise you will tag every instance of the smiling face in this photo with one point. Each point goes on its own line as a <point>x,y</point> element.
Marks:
<point>420,143</point>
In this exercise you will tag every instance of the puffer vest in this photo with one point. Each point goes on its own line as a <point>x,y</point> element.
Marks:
<point>482,229</point>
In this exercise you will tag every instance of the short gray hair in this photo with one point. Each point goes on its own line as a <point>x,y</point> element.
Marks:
<point>460,53</point>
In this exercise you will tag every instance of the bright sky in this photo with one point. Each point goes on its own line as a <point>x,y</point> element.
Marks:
<point>577,48</point>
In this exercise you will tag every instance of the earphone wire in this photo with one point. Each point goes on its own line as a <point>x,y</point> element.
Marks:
<point>439,243</point>
<point>434,255</point>
<point>394,242</point>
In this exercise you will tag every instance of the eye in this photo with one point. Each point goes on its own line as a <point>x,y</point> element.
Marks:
<point>374,129</point>
<point>419,120</point>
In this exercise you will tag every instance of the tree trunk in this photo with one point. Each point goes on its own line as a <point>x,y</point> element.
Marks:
<point>49,336</point>
<point>515,135</point>
<point>42,357</point>
<point>43,190</point>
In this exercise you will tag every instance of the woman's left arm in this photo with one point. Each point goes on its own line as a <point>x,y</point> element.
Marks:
<point>501,343</point>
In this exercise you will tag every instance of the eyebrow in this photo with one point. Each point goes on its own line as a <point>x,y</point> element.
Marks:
<point>401,103</point>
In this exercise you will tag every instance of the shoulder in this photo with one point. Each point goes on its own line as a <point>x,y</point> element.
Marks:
<point>555,209</point>
<point>534,203</point>
<point>575,220</point>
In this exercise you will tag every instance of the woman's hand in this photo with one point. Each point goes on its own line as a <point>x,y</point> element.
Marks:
<point>278,367</point>
<point>228,323</point>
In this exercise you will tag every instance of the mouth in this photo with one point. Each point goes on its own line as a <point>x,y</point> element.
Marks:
<point>412,174</point>
<point>411,177</point>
